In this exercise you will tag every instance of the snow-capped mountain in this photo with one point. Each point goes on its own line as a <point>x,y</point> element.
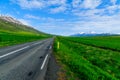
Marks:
<point>92,33</point>
<point>10,19</point>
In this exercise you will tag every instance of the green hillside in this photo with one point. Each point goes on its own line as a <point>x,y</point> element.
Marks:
<point>6,26</point>
<point>12,33</point>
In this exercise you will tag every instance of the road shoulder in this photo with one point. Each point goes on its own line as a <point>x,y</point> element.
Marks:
<point>52,70</point>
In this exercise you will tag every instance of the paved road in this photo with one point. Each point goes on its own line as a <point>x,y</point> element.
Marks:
<point>26,61</point>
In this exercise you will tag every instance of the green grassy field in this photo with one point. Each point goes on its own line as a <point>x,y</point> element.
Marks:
<point>11,34</point>
<point>7,39</point>
<point>106,42</point>
<point>90,58</point>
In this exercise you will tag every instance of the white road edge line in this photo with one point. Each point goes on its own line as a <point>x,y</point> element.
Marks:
<point>13,52</point>
<point>43,64</point>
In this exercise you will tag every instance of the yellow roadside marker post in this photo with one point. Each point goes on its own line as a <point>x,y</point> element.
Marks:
<point>58,45</point>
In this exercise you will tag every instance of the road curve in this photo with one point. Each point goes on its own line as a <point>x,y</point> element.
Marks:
<point>25,61</point>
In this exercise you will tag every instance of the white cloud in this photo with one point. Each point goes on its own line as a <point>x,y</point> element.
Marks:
<point>25,22</point>
<point>58,9</point>
<point>112,9</point>
<point>98,24</point>
<point>90,12</point>
<point>31,16</point>
<point>76,3</point>
<point>56,6</point>
<point>61,6</point>
<point>87,4</point>
<point>92,4</point>
<point>113,1</point>
<point>43,19</point>
<point>30,4</point>
<point>40,4</point>
<point>56,2</point>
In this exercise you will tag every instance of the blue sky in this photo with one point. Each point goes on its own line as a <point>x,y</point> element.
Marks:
<point>66,17</point>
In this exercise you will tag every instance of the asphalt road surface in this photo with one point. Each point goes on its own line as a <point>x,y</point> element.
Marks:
<point>25,61</point>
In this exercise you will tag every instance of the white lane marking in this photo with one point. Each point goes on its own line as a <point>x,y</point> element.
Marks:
<point>36,43</point>
<point>13,52</point>
<point>43,64</point>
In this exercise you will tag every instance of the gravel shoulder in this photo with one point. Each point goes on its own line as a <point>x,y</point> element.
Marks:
<point>52,70</point>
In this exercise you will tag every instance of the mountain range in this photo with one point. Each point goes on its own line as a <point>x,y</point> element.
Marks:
<point>83,34</point>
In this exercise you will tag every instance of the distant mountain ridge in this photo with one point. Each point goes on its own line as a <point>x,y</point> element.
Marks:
<point>82,34</point>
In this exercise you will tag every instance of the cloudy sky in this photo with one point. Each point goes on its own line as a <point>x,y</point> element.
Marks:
<point>65,17</point>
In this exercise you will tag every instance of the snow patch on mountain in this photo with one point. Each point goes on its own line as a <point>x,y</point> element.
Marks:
<point>10,19</point>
